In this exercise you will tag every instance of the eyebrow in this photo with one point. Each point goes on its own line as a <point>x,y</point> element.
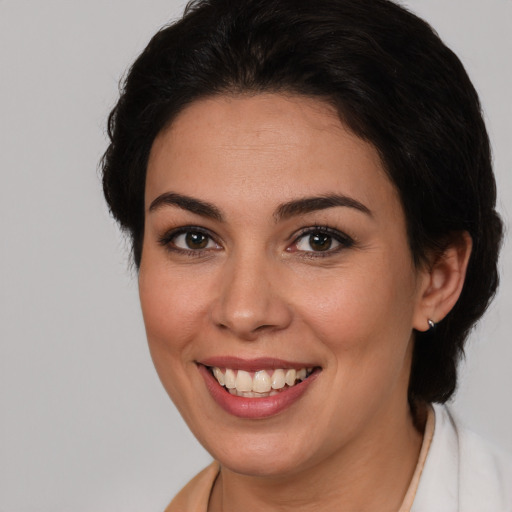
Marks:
<point>311,204</point>
<point>186,203</point>
<point>284,211</point>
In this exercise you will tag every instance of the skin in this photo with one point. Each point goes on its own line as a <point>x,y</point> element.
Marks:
<point>260,289</point>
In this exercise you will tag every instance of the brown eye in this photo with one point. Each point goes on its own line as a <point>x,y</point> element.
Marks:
<point>195,240</point>
<point>320,241</point>
<point>317,242</point>
<point>190,241</point>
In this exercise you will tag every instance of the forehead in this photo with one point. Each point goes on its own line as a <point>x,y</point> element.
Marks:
<point>244,148</point>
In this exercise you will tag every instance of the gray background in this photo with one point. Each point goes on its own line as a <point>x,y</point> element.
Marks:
<point>84,422</point>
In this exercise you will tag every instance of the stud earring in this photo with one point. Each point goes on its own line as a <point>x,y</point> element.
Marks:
<point>431,324</point>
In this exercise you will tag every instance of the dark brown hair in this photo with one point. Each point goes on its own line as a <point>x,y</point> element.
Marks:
<point>393,82</point>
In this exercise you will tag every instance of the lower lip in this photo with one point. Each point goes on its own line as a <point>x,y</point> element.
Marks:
<point>254,408</point>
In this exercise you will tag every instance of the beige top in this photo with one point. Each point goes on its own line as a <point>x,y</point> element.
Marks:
<point>195,495</point>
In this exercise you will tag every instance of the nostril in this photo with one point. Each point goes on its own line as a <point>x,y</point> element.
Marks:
<point>264,328</point>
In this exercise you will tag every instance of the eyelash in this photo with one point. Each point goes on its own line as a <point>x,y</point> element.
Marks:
<point>168,238</point>
<point>344,241</point>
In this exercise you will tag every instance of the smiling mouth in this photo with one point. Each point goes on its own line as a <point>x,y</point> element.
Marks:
<point>261,383</point>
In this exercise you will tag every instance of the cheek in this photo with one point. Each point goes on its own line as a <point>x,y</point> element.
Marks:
<point>366,325</point>
<point>364,317</point>
<point>358,304</point>
<point>172,310</point>
<point>171,305</point>
<point>172,320</point>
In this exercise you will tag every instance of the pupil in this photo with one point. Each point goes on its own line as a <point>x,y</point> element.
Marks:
<point>196,240</point>
<point>320,242</point>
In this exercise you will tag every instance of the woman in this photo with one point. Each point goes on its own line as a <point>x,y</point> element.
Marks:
<point>309,193</point>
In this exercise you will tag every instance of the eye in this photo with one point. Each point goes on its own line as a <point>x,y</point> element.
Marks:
<point>193,240</point>
<point>189,240</point>
<point>316,242</point>
<point>321,240</point>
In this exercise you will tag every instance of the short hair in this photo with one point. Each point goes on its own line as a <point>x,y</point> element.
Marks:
<point>394,84</point>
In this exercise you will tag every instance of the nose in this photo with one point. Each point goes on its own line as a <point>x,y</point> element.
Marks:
<point>251,300</point>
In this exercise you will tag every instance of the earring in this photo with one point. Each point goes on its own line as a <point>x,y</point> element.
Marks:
<point>431,324</point>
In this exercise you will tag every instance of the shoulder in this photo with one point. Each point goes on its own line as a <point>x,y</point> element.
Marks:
<point>195,495</point>
<point>463,471</point>
<point>485,473</point>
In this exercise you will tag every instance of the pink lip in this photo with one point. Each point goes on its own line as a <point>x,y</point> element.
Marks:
<point>253,365</point>
<point>254,408</point>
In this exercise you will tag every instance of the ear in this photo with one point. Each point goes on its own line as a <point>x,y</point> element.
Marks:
<point>441,282</point>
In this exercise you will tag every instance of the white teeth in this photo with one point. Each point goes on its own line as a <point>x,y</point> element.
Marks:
<point>278,379</point>
<point>301,374</point>
<point>243,381</point>
<point>261,382</point>
<point>229,379</point>
<point>290,377</point>
<point>219,376</point>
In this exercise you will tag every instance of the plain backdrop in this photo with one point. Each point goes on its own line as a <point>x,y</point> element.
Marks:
<point>84,422</point>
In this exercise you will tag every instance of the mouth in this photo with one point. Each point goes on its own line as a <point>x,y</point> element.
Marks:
<point>261,383</point>
<point>257,388</point>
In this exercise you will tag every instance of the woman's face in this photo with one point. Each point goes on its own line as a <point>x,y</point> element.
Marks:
<point>275,242</point>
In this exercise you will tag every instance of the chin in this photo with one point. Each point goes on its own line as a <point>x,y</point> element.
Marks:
<point>263,455</point>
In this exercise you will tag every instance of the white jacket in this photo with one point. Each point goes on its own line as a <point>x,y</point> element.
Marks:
<point>462,472</point>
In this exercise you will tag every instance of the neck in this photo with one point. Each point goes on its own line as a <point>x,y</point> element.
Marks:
<point>371,473</point>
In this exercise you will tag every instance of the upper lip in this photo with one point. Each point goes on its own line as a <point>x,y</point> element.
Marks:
<point>253,365</point>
